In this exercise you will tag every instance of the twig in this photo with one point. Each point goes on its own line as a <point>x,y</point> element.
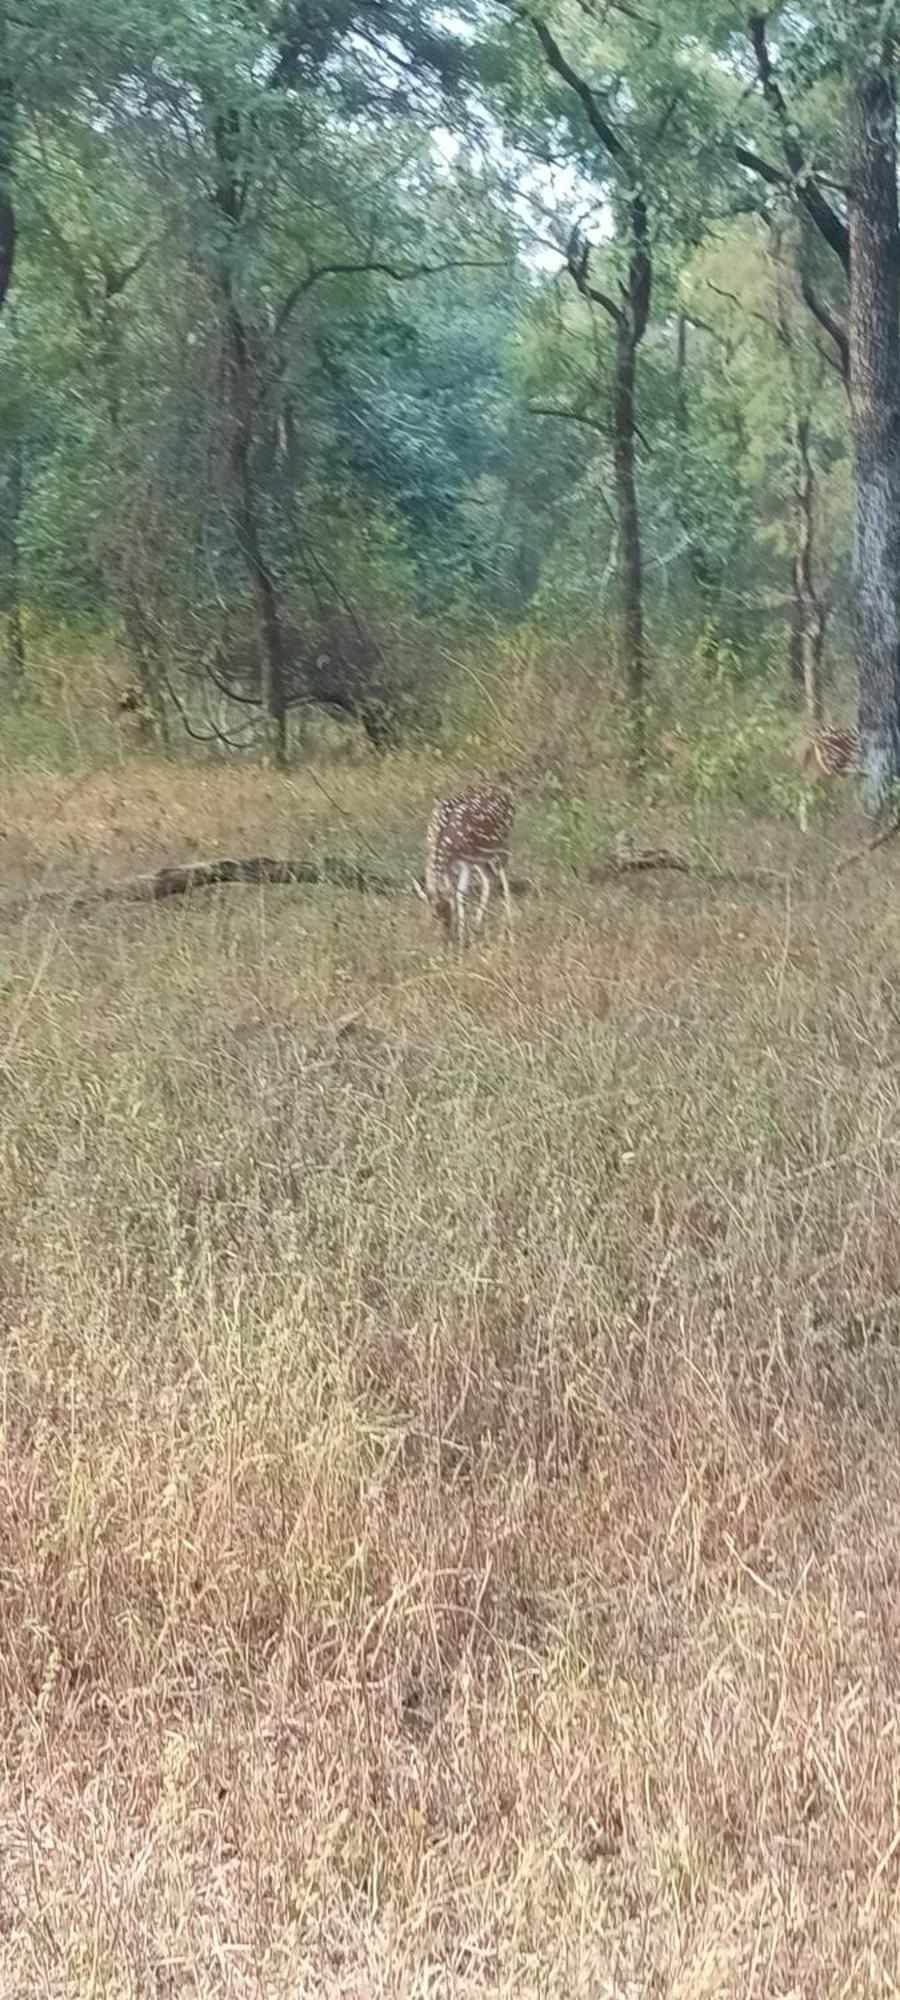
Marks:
<point>868,847</point>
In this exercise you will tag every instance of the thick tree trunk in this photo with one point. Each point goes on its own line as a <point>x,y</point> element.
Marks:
<point>809,617</point>
<point>149,671</point>
<point>630,560</point>
<point>7,144</point>
<point>230,197</point>
<point>875,401</point>
<point>271,634</point>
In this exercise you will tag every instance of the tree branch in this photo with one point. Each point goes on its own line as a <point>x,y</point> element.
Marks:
<point>577,259</point>
<point>117,276</point>
<point>570,415</point>
<point>828,221</point>
<point>830,324</point>
<point>755,164</point>
<point>380,267</point>
<point>211,735</point>
<point>587,98</point>
<point>637,293</point>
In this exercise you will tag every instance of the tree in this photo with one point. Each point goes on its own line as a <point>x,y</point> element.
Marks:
<point>282,421</point>
<point>7,139</point>
<point>808,615</point>
<point>859,42</point>
<point>626,302</point>
<point>875,396</point>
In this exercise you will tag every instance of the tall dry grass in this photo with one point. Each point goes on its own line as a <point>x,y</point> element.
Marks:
<point>449,1492</point>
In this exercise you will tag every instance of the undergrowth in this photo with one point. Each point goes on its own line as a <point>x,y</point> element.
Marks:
<point>449,1492</point>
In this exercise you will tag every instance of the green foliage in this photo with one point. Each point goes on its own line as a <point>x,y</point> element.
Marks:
<point>565,826</point>
<point>379,199</point>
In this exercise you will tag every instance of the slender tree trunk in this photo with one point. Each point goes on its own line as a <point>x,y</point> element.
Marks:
<point>807,623</point>
<point>271,632</point>
<point>875,402</point>
<point>795,646</point>
<point>630,559</point>
<point>810,617</point>
<point>15,633</point>
<point>109,356</point>
<point>681,409</point>
<point>7,148</point>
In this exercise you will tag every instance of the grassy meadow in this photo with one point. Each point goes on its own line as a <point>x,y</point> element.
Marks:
<point>449,1490</point>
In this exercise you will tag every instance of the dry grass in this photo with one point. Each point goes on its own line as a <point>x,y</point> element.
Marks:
<point>449,1497</point>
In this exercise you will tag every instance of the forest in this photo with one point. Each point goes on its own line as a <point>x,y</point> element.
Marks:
<point>449,1384</point>
<point>337,338</point>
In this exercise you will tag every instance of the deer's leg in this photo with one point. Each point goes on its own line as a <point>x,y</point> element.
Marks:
<point>484,877</point>
<point>504,891</point>
<point>463,875</point>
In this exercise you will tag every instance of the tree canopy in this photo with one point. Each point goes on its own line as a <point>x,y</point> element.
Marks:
<point>326,326</point>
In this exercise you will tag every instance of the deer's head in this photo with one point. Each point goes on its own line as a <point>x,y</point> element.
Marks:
<point>440,905</point>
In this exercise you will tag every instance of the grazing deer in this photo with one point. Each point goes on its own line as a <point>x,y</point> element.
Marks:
<point>830,753</point>
<point>467,835</point>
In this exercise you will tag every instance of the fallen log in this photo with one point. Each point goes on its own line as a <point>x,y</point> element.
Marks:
<point>329,871</point>
<point>333,871</point>
<point>620,864</point>
<point>626,860</point>
<point>260,868</point>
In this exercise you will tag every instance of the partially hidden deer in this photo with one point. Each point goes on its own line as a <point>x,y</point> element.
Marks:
<point>468,839</point>
<point>830,753</point>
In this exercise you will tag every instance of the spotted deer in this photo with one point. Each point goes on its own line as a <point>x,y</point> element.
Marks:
<point>830,753</point>
<point>468,836</point>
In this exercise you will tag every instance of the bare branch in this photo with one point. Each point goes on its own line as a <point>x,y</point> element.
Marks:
<point>380,267</point>
<point>116,277</point>
<point>755,164</point>
<point>211,735</point>
<point>828,221</point>
<point>637,293</point>
<point>242,700</point>
<point>587,98</point>
<point>570,415</point>
<point>734,299</point>
<point>577,261</point>
<point>831,324</point>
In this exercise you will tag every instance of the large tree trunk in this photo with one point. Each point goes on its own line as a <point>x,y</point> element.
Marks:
<point>630,562</point>
<point>271,634</point>
<point>875,400</point>
<point>230,198</point>
<point>144,652</point>
<point>7,143</point>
